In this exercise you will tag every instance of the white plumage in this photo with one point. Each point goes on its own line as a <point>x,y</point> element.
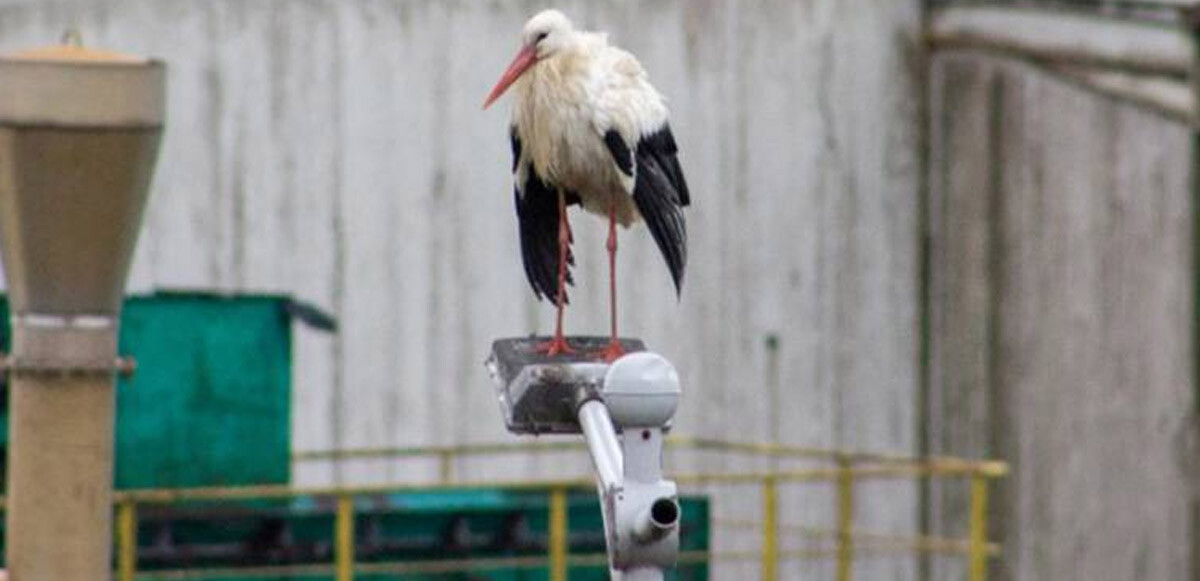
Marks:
<point>588,128</point>
<point>567,103</point>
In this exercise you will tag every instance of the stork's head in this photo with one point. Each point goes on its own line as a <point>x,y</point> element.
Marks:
<point>548,32</point>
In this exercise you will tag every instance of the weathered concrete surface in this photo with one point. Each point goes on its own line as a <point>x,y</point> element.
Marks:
<point>1061,315</point>
<point>336,150</point>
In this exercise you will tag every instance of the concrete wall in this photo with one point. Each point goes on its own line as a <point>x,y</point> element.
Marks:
<point>335,150</point>
<point>1062,307</point>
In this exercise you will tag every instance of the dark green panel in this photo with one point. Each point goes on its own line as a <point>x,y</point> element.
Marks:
<point>394,528</point>
<point>209,404</point>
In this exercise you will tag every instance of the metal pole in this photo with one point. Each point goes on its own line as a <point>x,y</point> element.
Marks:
<point>770,530</point>
<point>127,525</point>
<point>558,534</point>
<point>60,463</point>
<point>79,132</point>
<point>601,439</point>
<point>977,550</point>
<point>344,538</point>
<point>845,527</point>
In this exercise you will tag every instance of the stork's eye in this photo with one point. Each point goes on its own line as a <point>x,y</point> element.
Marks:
<point>540,36</point>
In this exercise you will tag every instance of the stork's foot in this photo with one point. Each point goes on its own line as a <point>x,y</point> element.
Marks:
<point>612,352</point>
<point>556,346</point>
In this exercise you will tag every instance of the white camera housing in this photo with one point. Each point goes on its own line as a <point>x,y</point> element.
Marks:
<point>641,390</point>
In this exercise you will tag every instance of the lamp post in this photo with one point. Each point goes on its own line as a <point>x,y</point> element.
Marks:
<point>79,134</point>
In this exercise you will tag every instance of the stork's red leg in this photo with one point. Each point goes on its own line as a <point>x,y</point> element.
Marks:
<point>559,344</point>
<point>614,350</point>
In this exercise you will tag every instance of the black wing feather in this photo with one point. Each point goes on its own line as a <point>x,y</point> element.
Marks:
<point>660,193</point>
<point>620,152</point>
<point>515,141</point>
<point>665,152</point>
<point>537,218</point>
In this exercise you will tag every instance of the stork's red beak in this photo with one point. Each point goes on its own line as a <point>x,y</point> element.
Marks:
<point>525,59</point>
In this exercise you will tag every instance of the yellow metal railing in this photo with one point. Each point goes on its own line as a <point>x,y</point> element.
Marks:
<point>446,455</point>
<point>343,553</point>
<point>977,567</point>
<point>558,535</point>
<point>770,529</point>
<point>845,522</point>
<point>126,540</point>
<point>848,469</point>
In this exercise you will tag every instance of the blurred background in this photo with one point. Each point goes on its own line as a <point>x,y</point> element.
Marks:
<point>919,228</point>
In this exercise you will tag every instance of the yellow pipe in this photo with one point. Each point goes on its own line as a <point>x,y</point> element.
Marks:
<point>343,554</point>
<point>770,529</point>
<point>866,541</point>
<point>673,442</point>
<point>977,553</point>
<point>558,534</point>
<point>272,491</point>
<point>425,451</point>
<point>171,495</point>
<point>126,540</point>
<point>897,472</point>
<point>845,526</point>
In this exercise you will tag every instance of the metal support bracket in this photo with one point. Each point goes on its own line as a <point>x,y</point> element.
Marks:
<point>47,345</point>
<point>124,366</point>
<point>623,411</point>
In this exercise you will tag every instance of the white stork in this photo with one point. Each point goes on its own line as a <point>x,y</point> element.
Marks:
<point>588,129</point>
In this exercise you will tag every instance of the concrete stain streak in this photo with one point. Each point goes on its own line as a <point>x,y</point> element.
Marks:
<point>339,388</point>
<point>209,213</point>
<point>442,234</point>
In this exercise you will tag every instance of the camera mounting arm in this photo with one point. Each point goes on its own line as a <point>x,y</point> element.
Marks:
<point>623,411</point>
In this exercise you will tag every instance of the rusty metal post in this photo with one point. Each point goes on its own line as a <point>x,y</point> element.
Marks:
<point>770,529</point>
